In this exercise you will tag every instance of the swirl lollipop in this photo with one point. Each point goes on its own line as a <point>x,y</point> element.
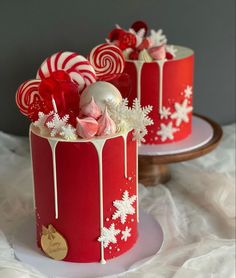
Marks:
<point>25,95</point>
<point>107,61</point>
<point>79,69</point>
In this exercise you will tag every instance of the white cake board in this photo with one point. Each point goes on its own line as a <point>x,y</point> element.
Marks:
<point>202,133</point>
<point>149,243</point>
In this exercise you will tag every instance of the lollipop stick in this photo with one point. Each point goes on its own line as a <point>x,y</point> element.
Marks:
<point>54,105</point>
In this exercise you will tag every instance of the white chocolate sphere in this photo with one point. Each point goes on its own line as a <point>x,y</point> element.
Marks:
<point>101,92</point>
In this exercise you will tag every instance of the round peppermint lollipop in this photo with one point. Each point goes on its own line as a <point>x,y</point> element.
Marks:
<point>78,67</point>
<point>107,61</point>
<point>26,95</point>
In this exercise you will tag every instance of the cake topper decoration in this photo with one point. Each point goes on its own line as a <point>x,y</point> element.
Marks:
<point>66,101</point>
<point>154,44</point>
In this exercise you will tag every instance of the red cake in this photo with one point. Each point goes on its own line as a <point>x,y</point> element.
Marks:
<point>84,156</point>
<point>160,75</point>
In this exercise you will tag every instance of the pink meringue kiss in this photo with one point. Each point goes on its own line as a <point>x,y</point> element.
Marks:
<point>91,109</point>
<point>106,125</point>
<point>87,127</point>
<point>158,52</point>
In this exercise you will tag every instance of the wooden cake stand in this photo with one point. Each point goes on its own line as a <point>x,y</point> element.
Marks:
<point>154,159</point>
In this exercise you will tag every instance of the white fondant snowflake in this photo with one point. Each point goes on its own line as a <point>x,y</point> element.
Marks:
<point>68,132</point>
<point>181,114</point>
<point>167,132</point>
<point>171,49</point>
<point>108,235</point>
<point>138,118</point>
<point>165,112</point>
<point>40,123</point>
<point>126,233</point>
<point>124,207</point>
<point>188,92</point>
<point>127,118</point>
<point>157,38</point>
<point>139,35</point>
<point>57,123</point>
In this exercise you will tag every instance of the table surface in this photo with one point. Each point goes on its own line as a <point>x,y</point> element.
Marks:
<point>196,210</point>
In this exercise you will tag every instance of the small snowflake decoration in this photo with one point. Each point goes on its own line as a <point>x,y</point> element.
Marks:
<point>165,113</point>
<point>139,35</point>
<point>157,38</point>
<point>188,92</point>
<point>124,207</point>
<point>40,123</point>
<point>68,132</point>
<point>108,235</point>
<point>167,131</point>
<point>57,123</point>
<point>181,114</point>
<point>126,233</point>
<point>171,49</point>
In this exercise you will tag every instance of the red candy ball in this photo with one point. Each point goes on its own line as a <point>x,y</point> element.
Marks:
<point>169,56</point>
<point>134,55</point>
<point>138,25</point>
<point>115,34</point>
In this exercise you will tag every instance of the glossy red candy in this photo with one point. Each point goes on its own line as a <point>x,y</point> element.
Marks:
<point>60,88</point>
<point>169,56</point>
<point>38,105</point>
<point>138,25</point>
<point>115,34</point>
<point>144,44</point>
<point>127,40</point>
<point>134,55</point>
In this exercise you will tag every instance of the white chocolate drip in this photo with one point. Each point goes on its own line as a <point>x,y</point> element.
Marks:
<point>99,144</point>
<point>125,155</point>
<point>161,66</point>
<point>53,144</point>
<point>138,65</point>
<point>137,204</point>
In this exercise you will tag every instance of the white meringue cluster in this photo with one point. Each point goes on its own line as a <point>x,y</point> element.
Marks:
<point>102,112</point>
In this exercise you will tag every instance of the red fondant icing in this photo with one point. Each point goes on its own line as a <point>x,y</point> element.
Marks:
<point>177,75</point>
<point>78,193</point>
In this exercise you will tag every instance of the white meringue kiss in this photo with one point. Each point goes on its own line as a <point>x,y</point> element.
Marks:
<point>145,56</point>
<point>106,125</point>
<point>91,109</point>
<point>87,127</point>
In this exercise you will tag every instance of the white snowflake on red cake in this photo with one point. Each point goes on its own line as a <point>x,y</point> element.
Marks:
<point>108,235</point>
<point>126,233</point>
<point>188,92</point>
<point>181,112</point>
<point>167,131</point>
<point>165,113</point>
<point>124,207</point>
<point>68,132</point>
<point>57,123</point>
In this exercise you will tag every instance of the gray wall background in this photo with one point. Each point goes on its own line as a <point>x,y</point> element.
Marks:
<point>31,30</point>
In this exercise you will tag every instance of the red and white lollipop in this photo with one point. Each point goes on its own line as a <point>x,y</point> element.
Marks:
<point>25,95</point>
<point>107,61</point>
<point>78,67</point>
